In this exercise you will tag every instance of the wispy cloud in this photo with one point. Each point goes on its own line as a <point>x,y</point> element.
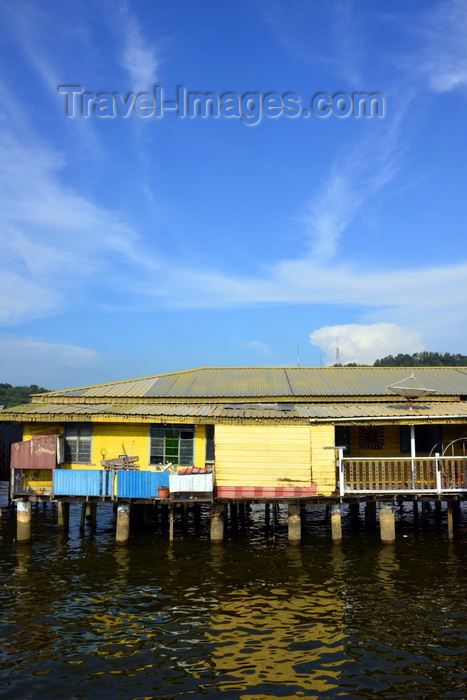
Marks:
<point>29,361</point>
<point>55,241</point>
<point>363,344</point>
<point>443,56</point>
<point>257,346</point>
<point>139,57</point>
<point>360,175</point>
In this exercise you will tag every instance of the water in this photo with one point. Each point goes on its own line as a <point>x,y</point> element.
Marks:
<point>251,619</point>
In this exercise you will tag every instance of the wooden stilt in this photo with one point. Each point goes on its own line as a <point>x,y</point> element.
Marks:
<point>171,522</point>
<point>450,521</point>
<point>63,515</point>
<point>82,517</point>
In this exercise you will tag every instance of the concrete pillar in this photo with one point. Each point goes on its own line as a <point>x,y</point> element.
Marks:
<point>63,513</point>
<point>370,514</point>
<point>295,523</point>
<point>450,521</point>
<point>23,521</point>
<point>387,522</point>
<point>336,522</point>
<point>122,533</point>
<point>217,522</point>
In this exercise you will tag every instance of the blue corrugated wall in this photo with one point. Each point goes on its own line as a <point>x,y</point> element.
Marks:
<point>140,484</point>
<point>82,482</point>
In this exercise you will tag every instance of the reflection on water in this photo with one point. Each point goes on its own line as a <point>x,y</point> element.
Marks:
<point>250,619</point>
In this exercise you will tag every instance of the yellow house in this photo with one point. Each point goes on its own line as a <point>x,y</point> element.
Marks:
<point>248,433</point>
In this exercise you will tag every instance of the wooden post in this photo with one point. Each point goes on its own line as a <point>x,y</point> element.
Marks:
<point>387,522</point>
<point>23,521</point>
<point>267,514</point>
<point>217,522</point>
<point>370,514</point>
<point>122,533</point>
<point>354,509</point>
<point>450,521</point>
<point>93,515</point>
<point>171,522</point>
<point>63,513</point>
<point>424,509</point>
<point>336,522</point>
<point>147,515</point>
<point>233,517</point>
<point>82,517</point>
<point>295,523</point>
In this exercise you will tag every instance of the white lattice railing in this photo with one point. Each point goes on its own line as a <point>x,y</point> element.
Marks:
<point>430,474</point>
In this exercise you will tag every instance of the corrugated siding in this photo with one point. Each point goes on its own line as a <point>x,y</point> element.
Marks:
<point>140,484</point>
<point>250,455</point>
<point>194,483</point>
<point>82,482</point>
<point>39,453</point>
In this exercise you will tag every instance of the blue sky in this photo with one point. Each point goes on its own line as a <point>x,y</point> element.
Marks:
<point>141,245</point>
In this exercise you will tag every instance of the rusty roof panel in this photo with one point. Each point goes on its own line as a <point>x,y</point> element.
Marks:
<point>226,412</point>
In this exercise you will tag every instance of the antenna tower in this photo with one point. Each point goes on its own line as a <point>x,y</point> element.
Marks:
<point>338,355</point>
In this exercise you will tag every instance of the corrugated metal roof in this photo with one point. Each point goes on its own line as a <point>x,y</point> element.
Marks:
<point>227,412</point>
<point>282,382</point>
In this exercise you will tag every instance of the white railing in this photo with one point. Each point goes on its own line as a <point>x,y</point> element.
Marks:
<point>403,475</point>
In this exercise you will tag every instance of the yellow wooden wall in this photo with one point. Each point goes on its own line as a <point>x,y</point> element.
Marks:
<point>109,440</point>
<point>323,461</point>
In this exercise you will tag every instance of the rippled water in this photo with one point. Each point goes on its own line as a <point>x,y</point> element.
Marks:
<point>253,618</point>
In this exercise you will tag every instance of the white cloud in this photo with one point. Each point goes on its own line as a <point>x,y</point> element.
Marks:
<point>29,361</point>
<point>366,343</point>
<point>258,346</point>
<point>443,58</point>
<point>358,177</point>
<point>139,58</point>
<point>56,244</point>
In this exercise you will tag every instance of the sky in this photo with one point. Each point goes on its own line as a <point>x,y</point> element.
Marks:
<point>138,237</point>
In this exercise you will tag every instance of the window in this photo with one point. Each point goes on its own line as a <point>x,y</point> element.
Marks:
<point>426,437</point>
<point>78,439</point>
<point>209,443</point>
<point>172,443</point>
<point>342,437</point>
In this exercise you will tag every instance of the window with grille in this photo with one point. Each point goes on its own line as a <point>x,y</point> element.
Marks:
<point>172,443</point>
<point>209,443</point>
<point>78,443</point>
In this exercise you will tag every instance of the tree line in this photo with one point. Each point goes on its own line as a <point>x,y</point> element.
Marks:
<point>16,395</point>
<point>418,359</point>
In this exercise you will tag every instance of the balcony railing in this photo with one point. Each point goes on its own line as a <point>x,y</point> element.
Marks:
<point>420,475</point>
